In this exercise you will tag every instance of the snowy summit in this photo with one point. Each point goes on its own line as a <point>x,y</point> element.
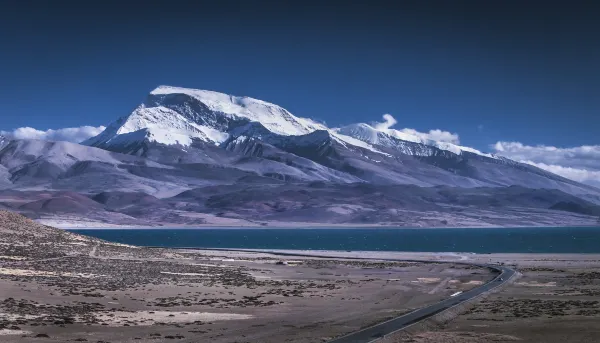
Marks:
<point>178,116</point>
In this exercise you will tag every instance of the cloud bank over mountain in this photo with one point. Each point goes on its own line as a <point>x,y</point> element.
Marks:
<point>70,134</point>
<point>580,164</point>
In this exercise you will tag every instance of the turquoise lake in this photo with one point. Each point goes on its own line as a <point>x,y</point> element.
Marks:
<point>476,240</point>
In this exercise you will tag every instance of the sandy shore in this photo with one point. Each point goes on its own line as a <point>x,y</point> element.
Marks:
<point>64,224</point>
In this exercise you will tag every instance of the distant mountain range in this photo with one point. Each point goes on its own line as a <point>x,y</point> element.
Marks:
<point>188,156</point>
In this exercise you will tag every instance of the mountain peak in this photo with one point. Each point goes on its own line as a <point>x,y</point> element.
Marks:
<point>207,95</point>
<point>273,117</point>
<point>217,101</point>
<point>177,116</point>
<point>362,131</point>
<point>392,138</point>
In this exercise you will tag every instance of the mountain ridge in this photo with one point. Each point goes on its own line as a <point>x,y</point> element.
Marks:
<point>182,140</point>
<point>184,125</point>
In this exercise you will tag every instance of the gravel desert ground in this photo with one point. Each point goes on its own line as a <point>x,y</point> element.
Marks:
<point>56,286</point>
<point>556,299</point>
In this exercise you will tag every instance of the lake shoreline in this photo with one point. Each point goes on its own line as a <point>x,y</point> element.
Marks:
<point>293,226</point>
<point>555,240</point>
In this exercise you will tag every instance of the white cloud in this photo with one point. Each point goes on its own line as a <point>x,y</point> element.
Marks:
<point>581,175</point>
<point>389,121</point>
<point>71,134</point>
<point>578,163</point>
<point>436,134</point>
<point>587,156</point>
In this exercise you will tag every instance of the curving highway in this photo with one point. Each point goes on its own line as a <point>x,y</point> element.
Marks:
<point>378,331</point>
<point>375,332</point>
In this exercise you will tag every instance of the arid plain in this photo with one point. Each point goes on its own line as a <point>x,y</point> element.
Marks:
<point>56,286</point>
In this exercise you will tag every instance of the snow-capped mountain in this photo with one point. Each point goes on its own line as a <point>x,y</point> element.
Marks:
<point>180,116</point>
<point>181,125</point>
<point>192,156</point>
<point>398,140</point>
<point>177,116</point>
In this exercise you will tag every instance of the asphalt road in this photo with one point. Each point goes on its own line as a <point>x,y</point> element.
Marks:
<point>375,332</point>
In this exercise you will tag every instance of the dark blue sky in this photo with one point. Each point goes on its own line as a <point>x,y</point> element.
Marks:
<point>525,70</point>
